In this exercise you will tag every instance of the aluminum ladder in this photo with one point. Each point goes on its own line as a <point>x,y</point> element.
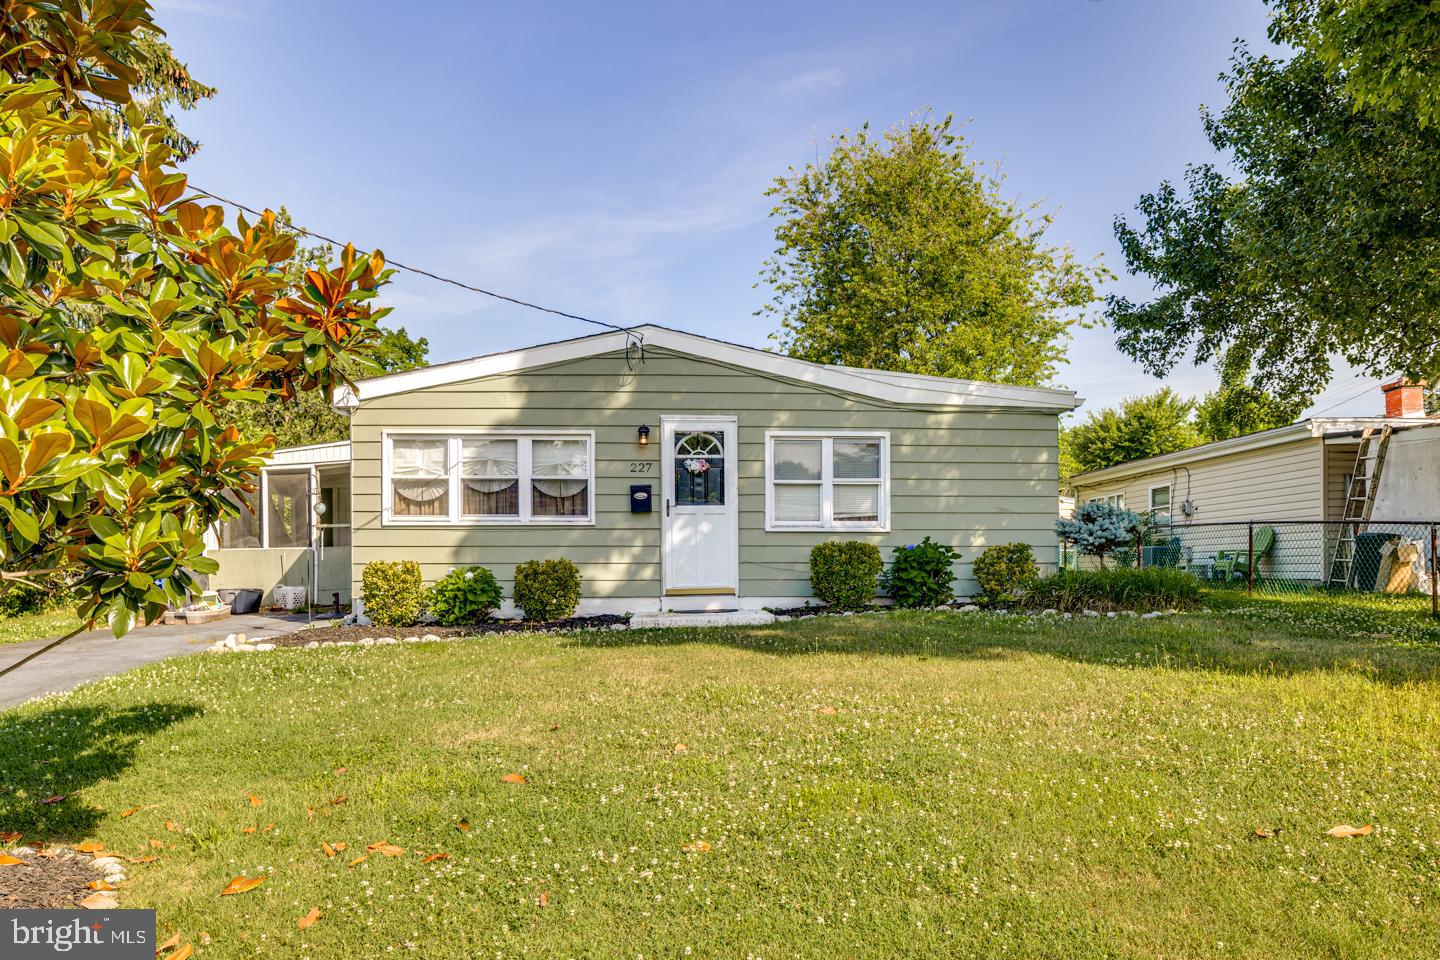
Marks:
<point>1359,500</point>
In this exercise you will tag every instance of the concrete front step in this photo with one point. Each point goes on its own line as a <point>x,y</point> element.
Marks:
<point>702,618</point>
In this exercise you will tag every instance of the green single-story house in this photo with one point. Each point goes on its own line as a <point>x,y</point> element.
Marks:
<point>677,471</point>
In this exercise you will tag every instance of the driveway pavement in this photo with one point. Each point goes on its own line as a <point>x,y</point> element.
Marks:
<point>97,654</point>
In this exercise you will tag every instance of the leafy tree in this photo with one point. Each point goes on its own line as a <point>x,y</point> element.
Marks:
<point>1145,426</point>
<point>113,461</point>
<point>1384,53</point>
<point>1237,407</point>
<point>1326,242</point>
<point>899,253</point>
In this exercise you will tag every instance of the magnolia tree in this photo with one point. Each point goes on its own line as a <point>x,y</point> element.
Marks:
<point>1099,529</point>
<point>130,315</point>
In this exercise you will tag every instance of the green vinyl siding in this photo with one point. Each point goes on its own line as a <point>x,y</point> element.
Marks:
<point>969,477</point>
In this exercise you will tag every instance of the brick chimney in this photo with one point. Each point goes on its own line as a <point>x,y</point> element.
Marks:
<point>1403,398</point>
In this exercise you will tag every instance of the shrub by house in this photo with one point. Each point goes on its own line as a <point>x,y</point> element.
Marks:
<point>393,592</point>
<point>844,574</point>
<point>547,589</point>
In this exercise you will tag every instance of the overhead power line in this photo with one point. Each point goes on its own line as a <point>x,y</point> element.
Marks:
<point>420,271</point>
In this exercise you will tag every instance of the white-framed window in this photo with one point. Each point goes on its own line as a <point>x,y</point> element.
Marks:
<point>1160,503</point>
<point>1116,500</point>
<point>489,477</point>
<point>827,481</point>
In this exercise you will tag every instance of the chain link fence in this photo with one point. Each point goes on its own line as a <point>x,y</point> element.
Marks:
<point>1290,556</point>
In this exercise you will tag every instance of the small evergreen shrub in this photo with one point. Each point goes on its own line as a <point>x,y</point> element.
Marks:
<point>547,589</point>
<point>1099,530</point>
<point>921,574</point>
<point>1142,590</point>
<point>845,573</point>
<point>1004,571</point>
<point>463,597</point>
<point>392,592</point>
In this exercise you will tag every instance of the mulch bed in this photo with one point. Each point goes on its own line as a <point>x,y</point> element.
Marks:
<point>356,634</point>
<point>55,882</point>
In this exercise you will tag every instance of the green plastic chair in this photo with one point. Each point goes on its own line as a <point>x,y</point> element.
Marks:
<point>1230,564</point>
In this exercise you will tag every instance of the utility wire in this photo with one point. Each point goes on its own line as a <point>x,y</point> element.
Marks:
<point>1368,388</point>
<point>419,271</point>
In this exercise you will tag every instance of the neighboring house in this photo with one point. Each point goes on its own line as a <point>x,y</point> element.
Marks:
<point>1294,473</point>
<point>677,471</point>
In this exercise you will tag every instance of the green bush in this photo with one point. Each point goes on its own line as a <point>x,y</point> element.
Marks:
<point>845,573</point>
<point>1003,571</point>
<point>921,573</point>
<point>547,589</point>
<point>463,597</point>
<point>36,594</point>
<point>1142,590</point>
<point>392,592</point>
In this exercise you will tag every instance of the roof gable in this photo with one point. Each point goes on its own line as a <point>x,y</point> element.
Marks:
<point>902,388</point>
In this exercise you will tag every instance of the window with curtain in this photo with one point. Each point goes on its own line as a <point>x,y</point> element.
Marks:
<point>822,482</point>
<point>287,509</point>
<point>419,478</point>
<point>497,478</point>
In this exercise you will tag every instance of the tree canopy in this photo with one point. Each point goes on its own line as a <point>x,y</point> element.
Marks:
<point>113,459</point>
<point>1142,427</point>
<point>898,252</point>
<point>1237,407</point>
<point>1325,241</point>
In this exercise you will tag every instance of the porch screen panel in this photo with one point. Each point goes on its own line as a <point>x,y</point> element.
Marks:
<point>559,478</point>
<point>287,510</point>
<point>241,531</point>
<point>418,478</point>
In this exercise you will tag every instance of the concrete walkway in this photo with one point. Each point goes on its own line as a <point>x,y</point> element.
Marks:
<point>97,654</point>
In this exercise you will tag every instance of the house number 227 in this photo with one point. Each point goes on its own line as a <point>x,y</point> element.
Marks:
<point>647,466</point>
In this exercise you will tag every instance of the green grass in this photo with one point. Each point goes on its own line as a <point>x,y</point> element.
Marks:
<point>37,626</point>
<point>985,786</point>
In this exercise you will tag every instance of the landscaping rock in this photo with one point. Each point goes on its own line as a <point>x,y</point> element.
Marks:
<point>418,639</point>
<point>102,863</point>
<point>387,640</point>
<point>344,643</point>
<point>1092,613</point>
<point>619,626</point>
<point>1111,615</point>
<point>327,643</point>
<point>430,638</point>
<point>262,647</point>
<point>367,641</point>
<point>313,644</point>
<point>1152,615</point>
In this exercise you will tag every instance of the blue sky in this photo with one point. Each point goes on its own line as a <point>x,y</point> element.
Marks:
<point>610,159</point>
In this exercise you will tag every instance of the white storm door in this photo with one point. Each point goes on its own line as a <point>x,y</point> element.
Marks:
<point>700,518</point>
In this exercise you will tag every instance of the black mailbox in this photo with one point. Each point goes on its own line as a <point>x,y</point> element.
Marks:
<point>640,498</point>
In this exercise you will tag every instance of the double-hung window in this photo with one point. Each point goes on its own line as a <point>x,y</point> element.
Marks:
<point>818,481</point>
<point>1116,500</point>
<point>490,478</point>
<point>1160,503</point>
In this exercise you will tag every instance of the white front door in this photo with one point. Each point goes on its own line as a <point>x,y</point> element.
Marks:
<point>699,458</point>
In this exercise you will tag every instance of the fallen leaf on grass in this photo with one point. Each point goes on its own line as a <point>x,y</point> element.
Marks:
<point>91,847</point>
<point>55,799</point>
<point>247,829</point>
<point>241,885</point>
<point>156,844</point>
<point>513,778</point>
<point>183,953</point>
<point>99,885</point>
<point>329,850</point>
<point>254,800</point>
<point>129,813</point>
<point>148,858</point>
<point>543,900</point>
<point>826,710</point>
<point>99,901</point>
<point>8,861</point>
<point>358,860</point>
<point>386,847</point>
<point>339,800</point>
<point>436,856</point>
<point>340,770</point>
<point>268,827</point>
<point>10,836</point>
<point>340,845</point>
<point>309,813</point>
<point>174,941</point>
<point>696,846</point>
<point>1266,833</point>
<point>309,918</point>
<point>682,748</point>
<point>172,826</point>
<point>1345,830</point>
<point>463,826</point>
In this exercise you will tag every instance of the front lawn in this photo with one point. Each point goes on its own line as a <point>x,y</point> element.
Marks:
<point>925,785</point>
<point>37,626</point>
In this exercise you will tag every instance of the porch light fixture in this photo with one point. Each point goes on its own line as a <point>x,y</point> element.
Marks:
<point>643,434</point>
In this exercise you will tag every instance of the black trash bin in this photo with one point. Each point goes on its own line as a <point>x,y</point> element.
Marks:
<point>241,601</point>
